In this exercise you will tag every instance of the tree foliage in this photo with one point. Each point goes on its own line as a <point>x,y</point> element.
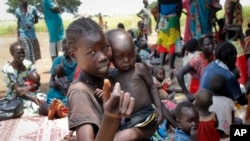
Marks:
<point>70,6</point>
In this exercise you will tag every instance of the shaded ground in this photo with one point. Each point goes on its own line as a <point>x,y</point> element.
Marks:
<point>43,65</point>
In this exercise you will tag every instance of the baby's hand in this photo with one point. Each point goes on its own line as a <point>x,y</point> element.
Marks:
<point>159,115</point>
<point>99,93</point>
<point>119,103</point>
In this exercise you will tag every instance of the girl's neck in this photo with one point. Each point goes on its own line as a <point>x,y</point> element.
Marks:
<point>208,57</point>
<point>18,66</point>
<point>204,112</point>
<point>91,80</point>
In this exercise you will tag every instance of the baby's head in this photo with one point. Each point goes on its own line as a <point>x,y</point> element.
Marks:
<point>89,47</point>
<point>59,70</point>
<point>121,25</point>
<point>123,51</point>
<point>34,77</point>
<point>187,116</point>
<point>203,99</point>
<point>218,84</point>
<point>159,73</point>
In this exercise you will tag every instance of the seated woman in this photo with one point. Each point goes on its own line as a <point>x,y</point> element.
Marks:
<point>69,67</point>
<point>196,65</point>
<point>22,81</point>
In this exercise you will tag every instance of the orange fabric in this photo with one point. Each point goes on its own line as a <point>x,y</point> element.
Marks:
<point>170,50</point>
<point>194,85</point>
<point>241,64</point>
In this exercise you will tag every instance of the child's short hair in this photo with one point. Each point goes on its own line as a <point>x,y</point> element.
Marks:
<point>203,98</point>
<point>81,27</point>
<point>120,25</point>
<point>208,35</point>
<point>13,46</point>
<point>224,50</point>
<point>180,106</point>
<point>58,69</point>
<point>34,76</point>
<point>218,84</point>
<point>156,69</point>
<point>191,45</point>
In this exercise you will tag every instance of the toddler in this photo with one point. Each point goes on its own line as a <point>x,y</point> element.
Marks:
<point>222,105</point>
<point>135,79</point>
<point>187,118</point>
<point>208,120</point>
<point>61,79</point>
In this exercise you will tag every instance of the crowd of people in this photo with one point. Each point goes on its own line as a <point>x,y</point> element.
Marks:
<point>113,80</point>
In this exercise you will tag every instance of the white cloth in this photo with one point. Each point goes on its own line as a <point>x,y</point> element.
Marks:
<point>223,108</point>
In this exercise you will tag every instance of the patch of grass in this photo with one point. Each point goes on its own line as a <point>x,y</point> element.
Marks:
<point>130,21</point>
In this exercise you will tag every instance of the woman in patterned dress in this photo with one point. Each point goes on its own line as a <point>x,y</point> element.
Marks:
<point>168,27</point>
<point>196,66</point>
<point>16,75</point>
<point>27,18</point>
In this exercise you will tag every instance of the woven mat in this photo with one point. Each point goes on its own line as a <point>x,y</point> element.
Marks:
<point>33,129</point>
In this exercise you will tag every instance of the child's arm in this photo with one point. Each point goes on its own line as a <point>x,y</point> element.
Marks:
<point>147,77</point>
<point>180,77</point>
<point>113,110</point>
<point>216,121</point>
<point>23,91</point>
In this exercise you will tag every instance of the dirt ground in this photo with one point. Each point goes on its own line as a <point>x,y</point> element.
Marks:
<point>43,65</point>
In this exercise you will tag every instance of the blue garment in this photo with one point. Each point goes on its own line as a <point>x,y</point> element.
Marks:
<point>53,21</point>
<point>168,9</point>
<point>200,21</point>
<point>69,69</point>
<point>26,24</point>
<point>161,132</point>
<point>181,135</point>
<point>233,86</point>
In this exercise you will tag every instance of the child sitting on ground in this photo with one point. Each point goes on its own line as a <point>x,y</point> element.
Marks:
<point>135,79</point>
<point>162,83</point>
<point>222,105</point>
<point>61,79</point>
<point>187,117</point>
<point>208,120</point>
<point>57,108</point>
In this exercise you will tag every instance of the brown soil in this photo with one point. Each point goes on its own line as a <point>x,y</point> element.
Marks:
<point>43,65</point>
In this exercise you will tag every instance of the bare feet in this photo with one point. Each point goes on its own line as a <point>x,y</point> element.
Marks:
<point>52,109</point>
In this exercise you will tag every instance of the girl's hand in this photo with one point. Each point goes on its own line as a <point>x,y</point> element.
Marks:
<point>118,103</point>
<point>99,93</point>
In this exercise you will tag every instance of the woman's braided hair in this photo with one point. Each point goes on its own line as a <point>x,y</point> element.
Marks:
<point>79,28</point>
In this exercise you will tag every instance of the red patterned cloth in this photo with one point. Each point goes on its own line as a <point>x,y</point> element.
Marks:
<point>38,128</point>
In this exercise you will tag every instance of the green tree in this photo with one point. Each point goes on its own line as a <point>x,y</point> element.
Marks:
<point>70,6</point>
